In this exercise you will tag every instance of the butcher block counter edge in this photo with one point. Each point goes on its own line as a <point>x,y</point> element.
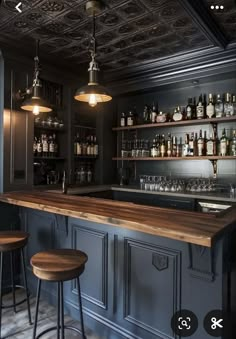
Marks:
<point>190,227</point>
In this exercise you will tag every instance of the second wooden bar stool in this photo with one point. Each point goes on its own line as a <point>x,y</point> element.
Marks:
<point>59,265</point>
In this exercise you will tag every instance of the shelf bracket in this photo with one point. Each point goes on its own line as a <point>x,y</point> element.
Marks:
<point>214,164</point>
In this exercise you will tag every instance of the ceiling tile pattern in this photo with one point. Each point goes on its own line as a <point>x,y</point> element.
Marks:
<point>127,32</point>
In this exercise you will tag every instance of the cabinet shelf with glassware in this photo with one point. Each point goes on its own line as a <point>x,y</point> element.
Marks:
<point>85,154</point>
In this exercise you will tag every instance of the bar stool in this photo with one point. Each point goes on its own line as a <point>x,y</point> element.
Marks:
<point>59,265</point>
<point>11,241</point>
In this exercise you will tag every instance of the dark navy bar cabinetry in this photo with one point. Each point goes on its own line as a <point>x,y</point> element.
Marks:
<point>134,282</point>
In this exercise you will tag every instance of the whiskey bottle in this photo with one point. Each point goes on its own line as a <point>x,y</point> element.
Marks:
<point>195,145</point>
<point>219,107</point>
<point>45,145</point>
<point>78,145</point>
<point>39,147</point>
<point>96,151</point>
<point>189,110</point>
<point>55,145</point>
<point>158,145</point>
<point>174,146</point>
<point>163,146</point>
<point>186,145</point>
<point>122,119</point>
<point>200,109</point>
<point>153,149</point>
<point>210,109</point>
<point>228,106</point>
<point>130,118</point>
<point>51,146</point>
<point>153,114</point>
<point>234,104</point>
<point>35,147</point>
<point>169,145</point>
<point>233,144</point>
<point>200,144</point>
<point>210,146</point>
<point>223,144</point>
<point>191,145</point>
<point>146,114</point>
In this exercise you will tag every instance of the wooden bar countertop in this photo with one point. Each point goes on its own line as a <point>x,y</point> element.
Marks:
<point>192,227</point>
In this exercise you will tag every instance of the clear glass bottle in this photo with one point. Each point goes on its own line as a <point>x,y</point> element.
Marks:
<point>96,150</point>
<point>146,114</point>
<point>189,109</point>
<point>219,107</point>
<point>233,144</point>
<point>130,118</point>
<point>228,106</point>
<point>153,113</point>
<point>39,147</point>
<point>210,109</point>
<point>223,144</point>
<point>169,145</point>
<point>153,149</point>
<point>185,151</point>
<point>200,144</point>
<point>163,146</point>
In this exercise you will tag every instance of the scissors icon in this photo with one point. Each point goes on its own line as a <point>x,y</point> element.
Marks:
<point>216,323</point>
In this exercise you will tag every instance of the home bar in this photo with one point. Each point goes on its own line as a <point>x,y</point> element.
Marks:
<point>118,169</point>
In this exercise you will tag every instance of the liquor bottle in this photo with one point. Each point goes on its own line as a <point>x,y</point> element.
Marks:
<point>130,118</point>
<point>153,113</point>
<point>210,146</point>
<point>88,145</point>
<point>55,145</point>
<point>51,146</point>
<point>35,147</point>
<point>89,175</point>
<point>189,109</point>
<point>39,147</point>
<point>185,151</point>
<point>78,145</point>
<point>228,106</point>
<point>91,145</point>
<point>123,149</point>
<point>195,145</point>
<point>223,144</point>
<point>210,109</point>
<point>200,144</point>
<point>45,145</point>
<point>200,109</point>
<point>123,119</point>
<point>204,143</point>
<point>219,107</point>
<point>233,144</point>
<point>178,115</point>
<point>153,149</point>
<point>146,114</point>
<point>96,151</point>
<point>158,145</point>
<point>169,145</point>
<point>174,146</point>
<point>163,146</point>
<point>191,145</point>
<point>234,104</point>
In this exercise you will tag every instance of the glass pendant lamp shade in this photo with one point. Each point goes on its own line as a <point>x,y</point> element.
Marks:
<point>93,92</point>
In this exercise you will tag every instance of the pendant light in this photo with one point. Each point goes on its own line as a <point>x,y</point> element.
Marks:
<point>36,104</point>
<point>93,93</point>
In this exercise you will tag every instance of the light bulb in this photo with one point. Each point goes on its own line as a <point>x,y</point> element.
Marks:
<point>36,110</point>
<point>92,100</point>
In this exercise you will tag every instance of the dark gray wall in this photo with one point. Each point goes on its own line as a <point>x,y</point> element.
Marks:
<point>1,117</point>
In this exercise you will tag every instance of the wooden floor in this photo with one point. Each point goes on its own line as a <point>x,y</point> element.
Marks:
<point>16,325</point>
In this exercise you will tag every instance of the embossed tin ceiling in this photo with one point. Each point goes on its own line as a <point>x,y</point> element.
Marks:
<point>128,32</point>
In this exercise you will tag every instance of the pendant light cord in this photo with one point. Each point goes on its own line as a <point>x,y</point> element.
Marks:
<point>36,64</point>
<point>93,64</point>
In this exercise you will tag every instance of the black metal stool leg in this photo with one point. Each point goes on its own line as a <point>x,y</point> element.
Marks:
<point>62,310</point>
<point>1,268</point>
<point>26,285</point>
<point>58,310</point>
<point>13,282</point>
<point>36,308</point>
<point>80,310</point>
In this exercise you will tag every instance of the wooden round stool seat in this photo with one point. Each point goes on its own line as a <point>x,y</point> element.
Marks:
<point>58,264</point>
<point>12,240</point>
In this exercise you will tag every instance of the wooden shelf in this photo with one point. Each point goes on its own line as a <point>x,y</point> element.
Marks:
<point>212,157</point>
<point>50,128</point>
<point>84,127</point>
<point>178,123</point>
<point>85,157</point>
<point>49,158</point>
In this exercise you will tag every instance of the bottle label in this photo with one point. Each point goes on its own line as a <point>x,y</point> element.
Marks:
<point>200,147</point>
<point>189,112</point>
<point>45,146</point>
<point>154,152</point>
<point>177,116</point>
<point>51,148</point>
<point>210,110</point>
<point>130,121</point>
<point>78,149</point>
<point>39,148</point>
<point>223,147</point>
<point>122,122</point>
<point>210,147</point>
<point>200,112</point>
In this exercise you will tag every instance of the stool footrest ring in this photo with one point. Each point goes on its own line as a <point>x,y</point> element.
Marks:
<point>19,302</point>
<point>72,328</point>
